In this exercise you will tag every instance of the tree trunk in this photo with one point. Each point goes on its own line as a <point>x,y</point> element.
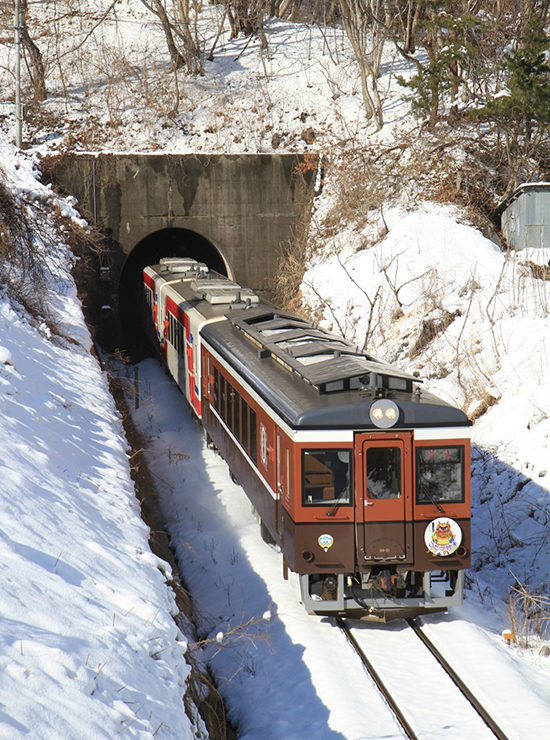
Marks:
<point>409,26</point>
<point>175,56</point>
<point>367,42</point>
<point>36,63</point>
<point>190,45</point>
<point>248,16</point>
<point>157,8</point>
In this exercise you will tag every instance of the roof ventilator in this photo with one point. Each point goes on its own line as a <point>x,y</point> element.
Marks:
<point>183,264</point>
<point>222,292</point>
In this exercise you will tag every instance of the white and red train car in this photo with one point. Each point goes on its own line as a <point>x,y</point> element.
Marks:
<point>358,475</point>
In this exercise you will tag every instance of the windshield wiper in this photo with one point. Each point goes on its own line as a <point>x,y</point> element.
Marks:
<point>434,502</point>
<point>336,505</point>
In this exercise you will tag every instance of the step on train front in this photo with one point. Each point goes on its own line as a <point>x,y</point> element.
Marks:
<point>360,476</point>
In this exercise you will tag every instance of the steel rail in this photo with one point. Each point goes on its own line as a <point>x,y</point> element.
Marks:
<point>378,681</point>
<point>459,683</point>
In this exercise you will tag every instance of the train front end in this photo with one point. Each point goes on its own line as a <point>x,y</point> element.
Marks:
<point>361,476</point>
<point>397,540</point>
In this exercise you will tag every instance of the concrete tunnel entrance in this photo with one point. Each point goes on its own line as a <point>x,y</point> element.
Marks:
<point>236,212</point>
<point>171,242</point>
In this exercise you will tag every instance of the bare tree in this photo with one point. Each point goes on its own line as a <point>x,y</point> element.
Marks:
<point>34,58</point>
<point>408,15</point>
<point>286,8</point>
<point>367,24</point>
<point>247,17</point>
<point>176,24</point>
<point>190,42</point>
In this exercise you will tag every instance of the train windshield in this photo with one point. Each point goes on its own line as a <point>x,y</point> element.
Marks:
<point>383,472</point>
<point>439,475</point>
<point>326,476</point>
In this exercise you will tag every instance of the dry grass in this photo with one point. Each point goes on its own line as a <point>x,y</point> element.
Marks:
<point>529,614</point>
<point>540,272</point>
<point>297,250</point>
<point>431,328</point>
<point>450,166</point>
<point>486,402</point>
<point>32,265</point>
<point>24,271</point>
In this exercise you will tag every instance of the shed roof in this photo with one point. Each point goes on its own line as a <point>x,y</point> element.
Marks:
<point>525,187</point>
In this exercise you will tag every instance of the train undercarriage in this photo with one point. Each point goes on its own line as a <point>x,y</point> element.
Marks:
<point>383,593</point>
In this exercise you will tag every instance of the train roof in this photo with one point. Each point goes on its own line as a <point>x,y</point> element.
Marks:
<point>311,377</point>
<point>315,379</point>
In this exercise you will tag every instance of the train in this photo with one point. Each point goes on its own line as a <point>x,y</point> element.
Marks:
<point>359,475</point>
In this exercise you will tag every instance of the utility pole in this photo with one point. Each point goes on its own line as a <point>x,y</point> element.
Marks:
<point>18,108</point>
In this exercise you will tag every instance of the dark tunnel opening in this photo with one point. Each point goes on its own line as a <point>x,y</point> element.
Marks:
<point>174,242</point>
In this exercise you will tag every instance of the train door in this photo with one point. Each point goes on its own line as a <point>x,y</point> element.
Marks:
<point>383,500</point>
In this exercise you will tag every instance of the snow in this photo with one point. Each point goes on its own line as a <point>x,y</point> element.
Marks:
<point>88,644</point>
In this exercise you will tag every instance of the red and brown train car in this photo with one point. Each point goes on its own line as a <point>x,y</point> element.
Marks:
<point>360,476</point>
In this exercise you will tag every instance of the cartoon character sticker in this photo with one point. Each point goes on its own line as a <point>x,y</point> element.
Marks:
<point>443,536</point>
<point>326,541</point>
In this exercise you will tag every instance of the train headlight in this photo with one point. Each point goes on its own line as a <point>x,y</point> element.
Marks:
<point>384,413</point>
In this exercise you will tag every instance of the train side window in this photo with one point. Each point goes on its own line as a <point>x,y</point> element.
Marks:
<point>222,396</point>
<point>216,389</point>
<point>440,475</point>
<point>383,472</point>
<point>181,339</point>
<point>287,470</point>
<point>253,451</point>
<point>230,400</point>
<point>236,415</point>
<point>244,424</point>
<point>174,332</point>
<point>326,476</point>
<point>149,297</point>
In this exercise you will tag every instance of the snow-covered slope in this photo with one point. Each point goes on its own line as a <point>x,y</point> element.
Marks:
<point>88,644</point>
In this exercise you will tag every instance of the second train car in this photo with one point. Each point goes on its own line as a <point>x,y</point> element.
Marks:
<point>359,475</point>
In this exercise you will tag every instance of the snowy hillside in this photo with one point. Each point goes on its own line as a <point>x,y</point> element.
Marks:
<point>118,93</point>
<point>88,643</point>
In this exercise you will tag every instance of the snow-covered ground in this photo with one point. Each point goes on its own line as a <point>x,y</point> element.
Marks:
<point>118,93</point>
<point>88,646</point>
<point>287,675</point>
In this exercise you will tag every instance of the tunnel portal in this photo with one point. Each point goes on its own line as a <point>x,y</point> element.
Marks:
<point>164,243</point>
<point>236,213</point>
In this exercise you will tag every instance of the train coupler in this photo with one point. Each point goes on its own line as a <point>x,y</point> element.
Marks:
<point>389,583</point>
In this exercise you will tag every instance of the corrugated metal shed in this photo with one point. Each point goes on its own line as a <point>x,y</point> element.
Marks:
<point>525,216</point>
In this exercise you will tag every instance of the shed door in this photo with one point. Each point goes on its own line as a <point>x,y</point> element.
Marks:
<point>383,497</point>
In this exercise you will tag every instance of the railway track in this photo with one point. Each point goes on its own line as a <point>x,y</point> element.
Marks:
<point>399,687</point>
